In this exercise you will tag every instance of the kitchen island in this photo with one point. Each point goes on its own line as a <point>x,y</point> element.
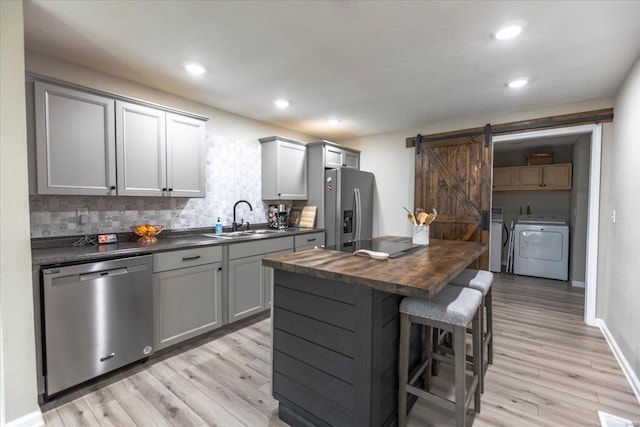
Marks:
<point>336,326</point>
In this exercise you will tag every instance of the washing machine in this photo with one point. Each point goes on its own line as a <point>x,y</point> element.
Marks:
<point>541,246</point>
<point>496,239</point>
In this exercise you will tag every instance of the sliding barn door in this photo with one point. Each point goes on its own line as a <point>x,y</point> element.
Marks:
<point>453,175</point>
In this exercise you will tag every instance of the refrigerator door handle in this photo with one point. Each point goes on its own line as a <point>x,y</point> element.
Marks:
<point>358,214</point>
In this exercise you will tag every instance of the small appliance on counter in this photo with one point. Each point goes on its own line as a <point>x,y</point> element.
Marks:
<point>282,217</point>
<point>273,216</point>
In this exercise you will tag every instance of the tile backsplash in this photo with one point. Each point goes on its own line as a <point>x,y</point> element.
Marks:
<point>233,172</point>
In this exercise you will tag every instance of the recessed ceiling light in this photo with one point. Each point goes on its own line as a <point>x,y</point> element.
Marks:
<point>195,68</point>
<point>508,32</point>
<point>517,83</point>
<point>281,103</point>
<point>334,122</point>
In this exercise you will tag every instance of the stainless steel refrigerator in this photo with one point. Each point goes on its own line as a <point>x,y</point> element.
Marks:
<point>348,196</point>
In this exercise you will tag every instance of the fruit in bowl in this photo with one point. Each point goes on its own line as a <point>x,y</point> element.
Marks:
<point>147,232</point>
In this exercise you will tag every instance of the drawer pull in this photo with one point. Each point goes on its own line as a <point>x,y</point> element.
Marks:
<point>311,240</point>
<point>190,258</point>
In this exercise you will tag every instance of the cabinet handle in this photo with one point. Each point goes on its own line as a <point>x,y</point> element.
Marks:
<point>344,165</point>
<point>279,194</point>
<point>113,187</point>
<point>219,268</point>
<point>311,240</point>
<point>171,189</point>
<point>164,189</point>
<point>190,258</point>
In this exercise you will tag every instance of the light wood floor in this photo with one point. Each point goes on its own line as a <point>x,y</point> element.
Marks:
<point>549,370</point>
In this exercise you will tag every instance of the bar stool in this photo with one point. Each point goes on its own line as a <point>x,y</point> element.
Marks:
<point>453,309</point>
<point>481,280</point>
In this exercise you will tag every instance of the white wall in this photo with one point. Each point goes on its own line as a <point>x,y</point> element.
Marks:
<point>619,292</point>
<point>221,124</point>
<point>18,395</point>
<point>394,165</point>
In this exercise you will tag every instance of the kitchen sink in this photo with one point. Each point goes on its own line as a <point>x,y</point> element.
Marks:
<point>245,233</point>
<point>259,232</point>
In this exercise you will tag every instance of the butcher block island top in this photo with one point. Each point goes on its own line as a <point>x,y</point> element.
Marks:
<point>422,273</point>
<point>335,327</point>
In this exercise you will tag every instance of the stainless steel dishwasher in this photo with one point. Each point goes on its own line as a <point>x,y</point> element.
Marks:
<point>97,317</point>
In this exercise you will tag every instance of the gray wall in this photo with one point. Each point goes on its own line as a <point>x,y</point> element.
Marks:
<point>618,299</point>
<point>18,393</point>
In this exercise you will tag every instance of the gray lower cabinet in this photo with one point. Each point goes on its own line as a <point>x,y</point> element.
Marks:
<point>267,277</point>
<point>187,294</point>
<point>304,242</point>
<point>246,287</point>
<point>249,283</point>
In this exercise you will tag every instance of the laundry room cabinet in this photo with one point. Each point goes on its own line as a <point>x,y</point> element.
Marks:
<point>533,178</point>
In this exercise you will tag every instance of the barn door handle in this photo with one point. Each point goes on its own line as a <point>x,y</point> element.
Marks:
<point>484,220</point>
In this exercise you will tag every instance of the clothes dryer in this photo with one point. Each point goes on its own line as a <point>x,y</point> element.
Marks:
<point>542,246</point>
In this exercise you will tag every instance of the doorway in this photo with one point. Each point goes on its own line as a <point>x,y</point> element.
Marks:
<point>594,135</point>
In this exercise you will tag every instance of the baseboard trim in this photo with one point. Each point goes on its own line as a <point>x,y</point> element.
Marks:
<point>631,376</point>
<point>577,284</point>
<point>33,419</point>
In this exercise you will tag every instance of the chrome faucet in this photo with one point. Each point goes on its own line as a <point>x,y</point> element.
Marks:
<point>236,226</point>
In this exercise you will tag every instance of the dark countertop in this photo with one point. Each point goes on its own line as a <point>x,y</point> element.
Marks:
<point>60,250</point>
<point>422,273</point>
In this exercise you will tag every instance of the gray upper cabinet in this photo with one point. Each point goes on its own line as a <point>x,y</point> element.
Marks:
<point>284,169</point>
<point>185,159</point>
<point>142,152</point>
<point>335,156</point>
<point>75,142</point>
<point>159,153</point>
<point>85,142</point>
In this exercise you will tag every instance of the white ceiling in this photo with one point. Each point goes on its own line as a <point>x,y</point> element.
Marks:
<point>376,65</point>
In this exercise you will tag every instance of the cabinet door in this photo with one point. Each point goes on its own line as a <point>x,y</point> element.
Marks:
<point>557,177</point>
<point>246,287</point>
<point>351,160</point>
<point>504,179</point>
<point>332,157</point>
<point>141,148</point>
<point>188,302</point>
<point>291,181</point>
<point>267,277</point>
<point>185,162</point>
<point>530,178</point>
<point>75,142</point>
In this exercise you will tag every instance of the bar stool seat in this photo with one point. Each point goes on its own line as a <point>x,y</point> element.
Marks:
<point>453,309</point>
<point>481,280</point>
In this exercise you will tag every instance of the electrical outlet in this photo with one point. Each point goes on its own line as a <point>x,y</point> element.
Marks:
<point>83,215</point>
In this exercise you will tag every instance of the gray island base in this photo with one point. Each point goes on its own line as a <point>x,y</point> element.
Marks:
<point>336,329</point>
